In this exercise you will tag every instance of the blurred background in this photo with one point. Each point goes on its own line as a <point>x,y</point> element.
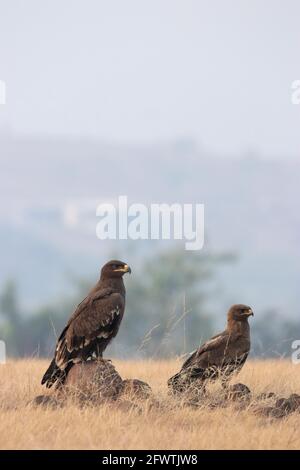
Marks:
<point>162,101</point>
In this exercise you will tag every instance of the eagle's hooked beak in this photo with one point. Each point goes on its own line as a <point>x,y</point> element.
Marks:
<point>250,312</point>
<point>125,269</point>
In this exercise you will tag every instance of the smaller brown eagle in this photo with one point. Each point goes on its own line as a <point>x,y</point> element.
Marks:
<point>94,323</point>
<point>221,356</point>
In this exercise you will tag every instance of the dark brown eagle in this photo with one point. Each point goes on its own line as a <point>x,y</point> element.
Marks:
<point>221,356</point>
<point>93,324</point>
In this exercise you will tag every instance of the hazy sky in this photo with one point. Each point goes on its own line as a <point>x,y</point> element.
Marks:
<point>218,71</point>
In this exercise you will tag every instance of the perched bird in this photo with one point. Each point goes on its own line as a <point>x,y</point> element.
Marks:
<point>94,323</point>
<point>221,356</point>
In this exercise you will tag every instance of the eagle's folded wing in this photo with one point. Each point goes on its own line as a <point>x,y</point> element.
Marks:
<point>95,317</point>
<point>217,343</point>
<point>96,295</point>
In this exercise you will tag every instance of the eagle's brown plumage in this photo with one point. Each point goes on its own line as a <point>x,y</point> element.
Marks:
<point>220,356</point>
<point>93,324</point>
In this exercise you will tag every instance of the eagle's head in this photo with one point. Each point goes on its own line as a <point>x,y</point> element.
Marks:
<point>115,268</point>
<point>239,312</point>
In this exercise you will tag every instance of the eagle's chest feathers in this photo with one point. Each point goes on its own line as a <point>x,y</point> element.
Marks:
<point>237,345</point>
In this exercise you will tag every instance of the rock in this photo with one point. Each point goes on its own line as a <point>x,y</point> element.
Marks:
<point>46,401</point>
<point>294,400</point>
<point>135,389</point>
<point>284,404</point>
<point>266,396</point>
<point>96,381</point>
<point>238,392</point>
<point>289,405</point>
<point>182,384</point>
<point>190,392</point>
<point>278,413</point>
<point>282,408</point>
<point>270,412</point>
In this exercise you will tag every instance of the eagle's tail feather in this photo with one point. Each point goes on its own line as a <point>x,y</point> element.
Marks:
<point>175,383</point>
<point>53,374</point>
<point>183,379</point>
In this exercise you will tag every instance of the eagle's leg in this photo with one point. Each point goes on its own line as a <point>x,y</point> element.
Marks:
<point>95,353</point>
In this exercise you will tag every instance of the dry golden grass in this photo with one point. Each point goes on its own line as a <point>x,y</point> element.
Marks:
<point>173,427</point>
